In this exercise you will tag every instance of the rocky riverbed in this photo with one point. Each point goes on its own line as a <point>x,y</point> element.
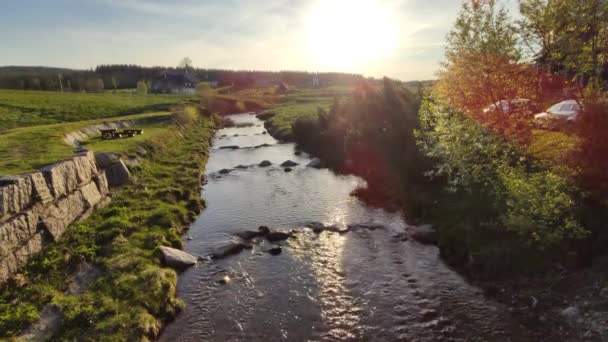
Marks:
<point>294,256</point>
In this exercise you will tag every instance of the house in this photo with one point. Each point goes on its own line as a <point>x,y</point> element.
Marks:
<point>282,89</point>
<point>174,82</point>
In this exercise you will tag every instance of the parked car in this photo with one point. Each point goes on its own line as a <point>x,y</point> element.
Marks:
<point>565,111</point>
<point>509,106</point>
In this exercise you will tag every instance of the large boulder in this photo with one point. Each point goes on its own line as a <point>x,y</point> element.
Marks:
<point>176,258</point>
<point>118,175</point>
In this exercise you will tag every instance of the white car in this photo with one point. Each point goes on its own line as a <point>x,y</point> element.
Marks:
<point>507,106</point>
<point>566,110</point>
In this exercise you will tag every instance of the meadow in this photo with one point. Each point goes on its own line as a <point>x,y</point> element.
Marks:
<point>32,108</point>
<point>302,102</point>
<point>26,149</point>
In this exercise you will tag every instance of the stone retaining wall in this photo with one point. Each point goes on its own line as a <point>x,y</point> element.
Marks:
<point>37,208</point>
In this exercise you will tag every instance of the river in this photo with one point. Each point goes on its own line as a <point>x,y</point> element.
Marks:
<point>360,286</point>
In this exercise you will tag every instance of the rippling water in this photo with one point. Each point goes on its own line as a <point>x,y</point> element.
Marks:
<point>361,286</point>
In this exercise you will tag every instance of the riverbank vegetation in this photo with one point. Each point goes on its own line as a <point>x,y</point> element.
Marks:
<point>131,295</point>
<point>301,103</point>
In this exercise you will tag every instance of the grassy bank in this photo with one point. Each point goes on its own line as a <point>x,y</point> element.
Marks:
<point>134,294</point>
<point>32,108</point>
<point>26,149</point>
<point>302,103</point>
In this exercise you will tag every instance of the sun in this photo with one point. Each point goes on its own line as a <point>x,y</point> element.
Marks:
<point>350,34</point>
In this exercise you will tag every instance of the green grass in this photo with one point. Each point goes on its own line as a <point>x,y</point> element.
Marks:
<point>302,102</point>
<point>31,108</point>
<point>134,294</point>
<point>151,130</point>
<point>28,148</point>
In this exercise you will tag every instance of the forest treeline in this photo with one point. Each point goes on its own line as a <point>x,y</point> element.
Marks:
<point>499,205</point>
<point>127,76</point>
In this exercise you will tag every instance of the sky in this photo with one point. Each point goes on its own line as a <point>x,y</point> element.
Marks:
<point>402,39</point>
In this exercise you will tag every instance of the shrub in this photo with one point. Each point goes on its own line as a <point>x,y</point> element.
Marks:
<point>496,202</point>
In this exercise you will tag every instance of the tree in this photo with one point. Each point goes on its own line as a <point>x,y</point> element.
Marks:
<point>142,88</point>
<point>567,36</point>
<point>185,63</point>
<point>114,83</point>
<point>484,66</point>
<point>60,78</point>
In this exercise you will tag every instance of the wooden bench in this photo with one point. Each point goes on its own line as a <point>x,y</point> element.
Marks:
<point>109,134</point>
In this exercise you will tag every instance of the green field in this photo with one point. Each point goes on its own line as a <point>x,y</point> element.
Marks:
<point>26,149</point>
<point>302,102</point>
<point>32,108</point>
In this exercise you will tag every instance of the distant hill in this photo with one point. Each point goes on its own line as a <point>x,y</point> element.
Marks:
<point>126,76</point>
<point>20,71</point>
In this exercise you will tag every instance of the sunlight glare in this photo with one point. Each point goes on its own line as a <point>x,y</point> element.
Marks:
<point>350,34</point>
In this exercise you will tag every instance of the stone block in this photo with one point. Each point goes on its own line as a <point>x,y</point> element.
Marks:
<point>102,183</point>
<point>15,194</point>
<point>90,194</point>
<point>118,174</point>
<point>57,217</point>
<point>61,178</point>
<point>85,167</point>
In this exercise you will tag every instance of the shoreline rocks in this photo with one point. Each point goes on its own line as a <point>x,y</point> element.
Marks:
<point>176,258</point>
<point>425,234</point>
<point>289,163</point>
<point>315,163</point>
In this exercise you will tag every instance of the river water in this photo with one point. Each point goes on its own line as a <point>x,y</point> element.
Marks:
<point>365,285</point>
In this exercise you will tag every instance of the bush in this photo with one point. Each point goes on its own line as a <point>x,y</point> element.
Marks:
<point>495,201</point>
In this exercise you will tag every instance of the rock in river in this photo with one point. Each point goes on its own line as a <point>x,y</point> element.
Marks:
<point>319,227</point>
<point>175,258</point>
<point>571,313</point>
<point>277,236</point>
<point>275,250</point>
<point>288,169</point>
<point>230,249</point>
<point>224,171</point>
<point>316,163</point>
<point>265,163</point>
<point>251,234</point>
<point>424,234</point>
<point>231,147</point>
<point>289,163</point>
